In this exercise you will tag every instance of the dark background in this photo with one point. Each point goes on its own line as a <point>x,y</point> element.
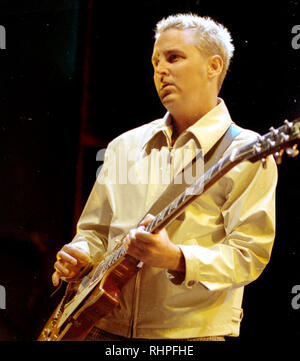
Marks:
<point>74,75</point>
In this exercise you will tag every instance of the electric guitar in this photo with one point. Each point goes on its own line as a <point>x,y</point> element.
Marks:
<point>87,300</point>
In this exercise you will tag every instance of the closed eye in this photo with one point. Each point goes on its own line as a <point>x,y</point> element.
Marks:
<point>173,58</point>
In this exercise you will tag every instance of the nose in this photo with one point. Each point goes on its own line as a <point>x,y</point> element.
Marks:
<point>161,68</point>
<point>160,72</point>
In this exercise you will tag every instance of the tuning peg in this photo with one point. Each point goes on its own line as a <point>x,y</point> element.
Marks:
<point>288,124</point>
<point>271,143</point>
<point>292,152</point>
<point>284,137</point>
<point>273,131</point>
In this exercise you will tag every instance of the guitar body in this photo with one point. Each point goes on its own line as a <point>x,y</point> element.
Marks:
<point>82,314</point>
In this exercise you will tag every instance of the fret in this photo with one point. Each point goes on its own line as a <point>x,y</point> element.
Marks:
<point>208,174</point>
<point>173,206</point>
<point>154,223</point>
<point>222,162</point>
<point>156,220</point>
<point>183,196</point>
<point>117,254</point>
<point>180,199</point>
<point>198,186</point>
<point>150,226</point>
<point>177,201</point>
<point>122,251</point>
<point>191,190</point>
<point>98,272</point>
<point>161,216</point>
<point>110,260</point>
<point>114,258</point>
<point>169,209</point>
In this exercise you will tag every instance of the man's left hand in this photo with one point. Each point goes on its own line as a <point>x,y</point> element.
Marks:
<point>154,249</point>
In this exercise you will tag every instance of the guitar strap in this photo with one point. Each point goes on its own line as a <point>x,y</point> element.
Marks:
<point>217,151</point>
<point>211,158</point>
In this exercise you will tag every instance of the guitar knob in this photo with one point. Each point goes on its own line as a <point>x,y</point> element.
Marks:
<point>264,163</point>
<point>278,157</point>
<point>292,152</point>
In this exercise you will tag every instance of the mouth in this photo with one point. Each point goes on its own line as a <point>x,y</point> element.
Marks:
<point>165,85</point>
<point>165,89</point>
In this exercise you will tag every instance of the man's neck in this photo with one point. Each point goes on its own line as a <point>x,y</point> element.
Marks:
<point>183,120</point>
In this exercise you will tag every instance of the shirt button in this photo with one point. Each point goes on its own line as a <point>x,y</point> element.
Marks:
<point>191,283</point>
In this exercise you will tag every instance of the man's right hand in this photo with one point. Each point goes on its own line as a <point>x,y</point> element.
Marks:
<point>70,262</point>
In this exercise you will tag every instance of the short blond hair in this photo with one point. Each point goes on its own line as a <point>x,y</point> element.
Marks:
<point>212,37</point>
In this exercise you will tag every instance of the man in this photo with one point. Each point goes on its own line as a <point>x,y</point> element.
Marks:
<point>194,270</point>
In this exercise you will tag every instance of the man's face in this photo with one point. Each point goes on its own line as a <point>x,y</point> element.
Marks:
<point>180,71</point>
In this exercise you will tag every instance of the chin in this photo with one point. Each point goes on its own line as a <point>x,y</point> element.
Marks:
<point>169,101</point>
<point>172,105</point>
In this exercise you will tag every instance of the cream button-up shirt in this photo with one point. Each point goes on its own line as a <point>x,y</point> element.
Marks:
<point>226,235</point>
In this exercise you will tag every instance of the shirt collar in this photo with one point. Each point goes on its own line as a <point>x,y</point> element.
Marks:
<point>210,128</point>
<point>161,127</point>
<point>207,130</point>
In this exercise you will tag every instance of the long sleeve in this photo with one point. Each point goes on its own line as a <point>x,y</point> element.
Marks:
<point>249,224</point>
<point>94,223</point>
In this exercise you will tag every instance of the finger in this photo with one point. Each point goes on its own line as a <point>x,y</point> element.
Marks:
<point>77,253</point>
<point>135,250</point>
<point>55,278</point>
<point>136,253</point>
<point>131,234</point>
<point>131,241</point>
<point>149,218</point>
<point>62,255</point>
<point>61,269</point>
<point>143,236</point>
<point>128,239</point>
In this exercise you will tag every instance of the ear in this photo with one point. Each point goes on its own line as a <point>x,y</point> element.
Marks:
<point>215,66</point>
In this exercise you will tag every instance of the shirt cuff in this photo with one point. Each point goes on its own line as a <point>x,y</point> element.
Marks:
<point>190,277</point>
<point>187,278</point>
<point>82,245</point>
<point>195,256</point>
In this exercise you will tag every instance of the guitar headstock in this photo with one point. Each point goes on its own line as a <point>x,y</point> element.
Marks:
<point>285,138</point>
